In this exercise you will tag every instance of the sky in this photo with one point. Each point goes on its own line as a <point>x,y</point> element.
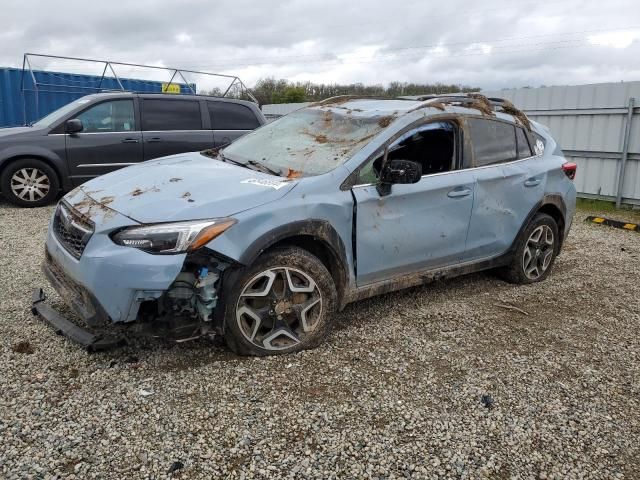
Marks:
<point>492,44</point>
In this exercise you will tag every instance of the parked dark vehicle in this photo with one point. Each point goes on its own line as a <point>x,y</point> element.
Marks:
<point>100,133</point>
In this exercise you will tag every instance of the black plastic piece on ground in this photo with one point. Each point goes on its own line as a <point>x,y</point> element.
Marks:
<point>62,326</point>
<point>632,227</point>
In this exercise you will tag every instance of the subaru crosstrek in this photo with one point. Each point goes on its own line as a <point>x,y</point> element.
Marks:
<point>264,240</point>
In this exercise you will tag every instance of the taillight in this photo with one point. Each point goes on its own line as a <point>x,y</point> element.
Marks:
<point>569,170</point>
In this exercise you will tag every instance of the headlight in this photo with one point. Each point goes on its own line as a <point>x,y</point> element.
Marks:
<point>176,237</point>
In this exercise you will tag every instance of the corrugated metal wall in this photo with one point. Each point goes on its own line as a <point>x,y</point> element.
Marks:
<point>52,90</point>
<point>589,122</point>
<point>276,110</point>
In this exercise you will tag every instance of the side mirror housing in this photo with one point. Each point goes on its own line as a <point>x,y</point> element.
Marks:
<point>398,171</point>
<point>73,126</point>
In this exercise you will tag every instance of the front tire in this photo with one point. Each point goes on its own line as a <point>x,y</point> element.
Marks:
<point>29,182</point>
<point>536,251</point>
<point>283,303</point>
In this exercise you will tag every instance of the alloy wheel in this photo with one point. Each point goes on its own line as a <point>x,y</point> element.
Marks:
<point>278,308</point>
<point>538,252</point>
<point>30,184</point>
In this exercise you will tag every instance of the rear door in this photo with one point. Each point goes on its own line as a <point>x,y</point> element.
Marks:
<point>230,121</point>
<point>173,125</point>
<point>110,139</point>
<point>510,182</point>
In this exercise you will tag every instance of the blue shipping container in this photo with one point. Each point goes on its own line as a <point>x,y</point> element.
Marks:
<point>51,90</point>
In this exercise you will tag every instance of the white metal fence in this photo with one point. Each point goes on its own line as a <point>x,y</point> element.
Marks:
<point>592,123</point>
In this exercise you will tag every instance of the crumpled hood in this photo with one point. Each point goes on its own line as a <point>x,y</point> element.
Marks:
<point>183,187</point>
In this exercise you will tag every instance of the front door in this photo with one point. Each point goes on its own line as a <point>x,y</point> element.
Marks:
<point>420,226</point>
<point>110,139</point>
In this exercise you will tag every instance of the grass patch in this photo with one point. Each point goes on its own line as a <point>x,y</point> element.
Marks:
<point>608,209</point>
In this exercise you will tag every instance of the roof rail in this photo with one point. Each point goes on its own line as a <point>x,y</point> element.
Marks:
<point>478,101</point>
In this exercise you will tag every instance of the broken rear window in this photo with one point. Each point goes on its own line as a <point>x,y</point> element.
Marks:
<point>308,142</point>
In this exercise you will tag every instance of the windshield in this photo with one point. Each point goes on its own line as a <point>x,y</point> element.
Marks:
<point>308,142</point>
<point>56,115</point>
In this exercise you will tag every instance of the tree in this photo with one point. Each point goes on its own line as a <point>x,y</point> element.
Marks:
<point>290,94</point>
<point>270,90</point>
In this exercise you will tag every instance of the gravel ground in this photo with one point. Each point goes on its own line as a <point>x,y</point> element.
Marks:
<point>430,382</point>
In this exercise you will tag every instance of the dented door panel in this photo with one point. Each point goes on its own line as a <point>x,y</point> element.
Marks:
<point>505,195</point>
<point>416,227</point>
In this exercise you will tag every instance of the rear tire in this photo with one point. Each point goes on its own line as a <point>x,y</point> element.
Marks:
<point>536,251</point>
<point>283,303</point>
<point>29,182</point>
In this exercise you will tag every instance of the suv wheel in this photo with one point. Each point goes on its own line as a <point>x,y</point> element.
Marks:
<point>284,303</point>
<point>536,251</point>
<point>29,183</point>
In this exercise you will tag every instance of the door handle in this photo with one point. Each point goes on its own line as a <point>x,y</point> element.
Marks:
<point>154,140</point>
<point>457,193</point>
<point>130,140</point>
<point>532,182</point>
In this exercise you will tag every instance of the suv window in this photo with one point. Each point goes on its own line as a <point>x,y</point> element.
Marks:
<point>162,115</point>
<point>493,141</point>
<point>524,150</point>
<point>431,145</point>
<point>231,116</point>
<point>111,116</point>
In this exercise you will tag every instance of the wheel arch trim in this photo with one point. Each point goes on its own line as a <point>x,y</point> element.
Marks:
<point>553,200</point>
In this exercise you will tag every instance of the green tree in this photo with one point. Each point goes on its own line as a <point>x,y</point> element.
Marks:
<point>270,90</point>
<point>291,94</point>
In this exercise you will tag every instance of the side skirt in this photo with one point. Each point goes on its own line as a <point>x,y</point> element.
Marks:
<point>428,276</point>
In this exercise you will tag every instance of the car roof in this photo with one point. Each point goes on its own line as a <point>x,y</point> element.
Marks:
<point>170,96</point>
<point>460,104</point>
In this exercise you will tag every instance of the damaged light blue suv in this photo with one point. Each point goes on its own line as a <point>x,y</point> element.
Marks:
<point>264,240</point>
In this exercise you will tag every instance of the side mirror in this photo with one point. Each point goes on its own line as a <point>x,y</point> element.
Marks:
<point>73,126</point>
<point>398,171</point>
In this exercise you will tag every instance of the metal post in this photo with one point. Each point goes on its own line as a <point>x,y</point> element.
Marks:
<point>229,87</point>
<point>116,76</point>
<point>170,81</point>
<point>625,151</point>
<point>102,77</point>
<point>24,99</point>
<point>186,83</point>
<point>35,86</point>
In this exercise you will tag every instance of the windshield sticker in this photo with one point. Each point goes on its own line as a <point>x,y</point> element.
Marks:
<point>539,147</point>
<point>264,182</point>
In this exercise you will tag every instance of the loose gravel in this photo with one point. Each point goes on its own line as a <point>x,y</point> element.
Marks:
<point>432,382</point>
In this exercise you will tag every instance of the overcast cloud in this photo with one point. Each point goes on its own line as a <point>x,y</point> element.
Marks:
<point>490,44</point>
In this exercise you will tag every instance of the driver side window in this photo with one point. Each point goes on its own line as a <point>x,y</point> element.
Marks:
<point>431,145</point>
<point>111,116</point>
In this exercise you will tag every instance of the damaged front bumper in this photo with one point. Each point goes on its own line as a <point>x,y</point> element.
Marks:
<point>170,296</point>
<point>62,326</point>
<point>108,283</point>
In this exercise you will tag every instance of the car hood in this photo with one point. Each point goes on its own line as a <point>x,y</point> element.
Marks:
<point>11,131</point>
<point>181,187</point>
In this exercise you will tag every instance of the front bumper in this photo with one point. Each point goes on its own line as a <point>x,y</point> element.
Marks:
<point>108,282</point>
<point>93,343</point>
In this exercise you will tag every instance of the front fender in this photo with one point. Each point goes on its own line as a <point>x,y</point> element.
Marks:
<point>316,228</point>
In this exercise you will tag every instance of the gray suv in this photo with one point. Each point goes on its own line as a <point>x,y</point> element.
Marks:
<point>100,133</point>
